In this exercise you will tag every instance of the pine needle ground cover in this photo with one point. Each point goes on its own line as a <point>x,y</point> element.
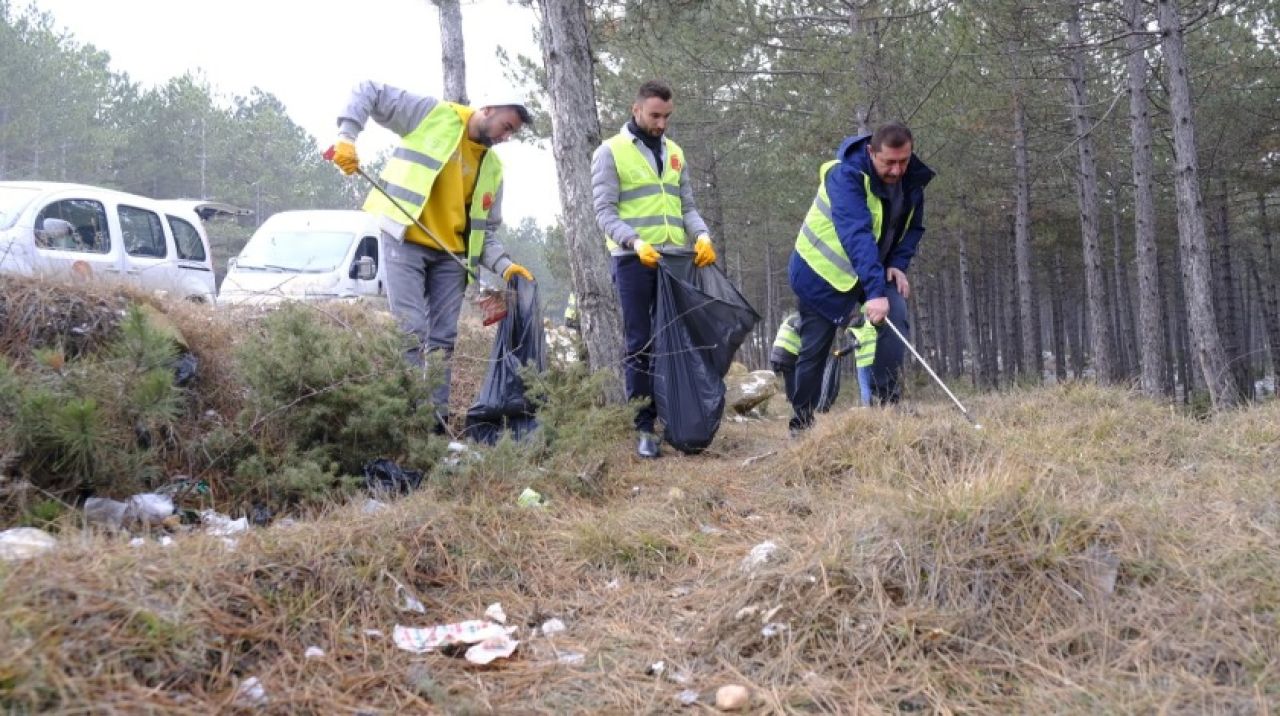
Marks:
<point>1087,552</point>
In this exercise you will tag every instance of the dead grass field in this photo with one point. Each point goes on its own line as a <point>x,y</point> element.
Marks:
<point>1087,552</point>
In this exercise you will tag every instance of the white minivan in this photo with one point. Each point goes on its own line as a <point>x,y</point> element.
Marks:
<point>306,256</point>
<point>56,229</point>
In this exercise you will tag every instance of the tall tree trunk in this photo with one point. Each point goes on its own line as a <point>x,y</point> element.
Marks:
<point>1122,298</point>
<point>1027,314</point>
<point>970,316</point>
<point>575,129</point>
<point>1267,287</point>
<point>1235,342</point>
<point>1017,366</point>
<point>1057,322</point>
<point>1094,278</point>
<point>1150,328</point>
<point>1192,241</point>
<point>453,58</point>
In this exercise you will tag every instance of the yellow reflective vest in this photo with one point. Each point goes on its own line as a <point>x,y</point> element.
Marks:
<point>414,166</point>
<point>647,202</point>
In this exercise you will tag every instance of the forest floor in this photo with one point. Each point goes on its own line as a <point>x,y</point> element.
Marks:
<point>1088,551</point>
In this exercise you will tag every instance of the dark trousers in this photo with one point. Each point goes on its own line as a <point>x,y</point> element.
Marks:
<point>637,288</point>
<point>816,334</point>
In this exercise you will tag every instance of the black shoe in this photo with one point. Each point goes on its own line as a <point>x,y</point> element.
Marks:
<point>647,445</point>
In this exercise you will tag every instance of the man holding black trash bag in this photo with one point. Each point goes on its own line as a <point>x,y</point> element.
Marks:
<point>440,205</point>
<point>644,203</point>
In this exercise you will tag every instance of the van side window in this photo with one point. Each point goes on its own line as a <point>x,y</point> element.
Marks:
<point>187,239</point>
<point>368,247</point>
<point>142,233</point>
<point>87,231</point>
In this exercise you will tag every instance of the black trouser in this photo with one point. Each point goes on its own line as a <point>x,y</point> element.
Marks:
<point>637,287</point>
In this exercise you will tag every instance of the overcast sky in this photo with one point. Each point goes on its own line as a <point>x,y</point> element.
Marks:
<point>310,53</point>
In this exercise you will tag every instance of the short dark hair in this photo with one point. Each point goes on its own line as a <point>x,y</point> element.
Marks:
<point>891,134</point>
<point>519,109</point>
<point>654,88</point>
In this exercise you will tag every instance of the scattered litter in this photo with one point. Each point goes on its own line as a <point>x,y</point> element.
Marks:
<point>773,629</point>
<point>530,498</point>
<point>374,632</point>
<point>745,612</point>
<point>148,508</point>
<point>571,658</point>
<point>613,584</point>
<point>494,613</point>
<point>25,543</point>
<point>758,556</point>
<point>688,697</point>
<point>220,525</point>
<point>680,590</point>
<point>552,626</point>
<point>757,458</point>
<point>489,640</point>
<point>709,530</point>
<point>313,652</point>
<point>104,511</point>
<point>385,477</point>
<point>371,506</point>
<point>732,697</point>
<point>251,693</point>
<point>656,668</point>
<point>408,601</point>
<point>635,490</point>
<point>166,541</point>
<point>137,542</point>
<point>754,518</point>
<point>455,446</point>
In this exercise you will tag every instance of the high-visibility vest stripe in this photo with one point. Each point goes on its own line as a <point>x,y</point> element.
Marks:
<point>649,202</point>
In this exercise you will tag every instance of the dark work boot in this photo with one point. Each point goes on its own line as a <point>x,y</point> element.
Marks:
<point>647,445</point>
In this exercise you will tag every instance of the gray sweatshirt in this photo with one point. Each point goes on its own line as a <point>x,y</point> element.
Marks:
<point>604,194</point>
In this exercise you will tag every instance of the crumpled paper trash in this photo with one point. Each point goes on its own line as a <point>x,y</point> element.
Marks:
<point>488,640</point>
<point>758,556</point>
<point>220,525</point>
<point>25,543</point>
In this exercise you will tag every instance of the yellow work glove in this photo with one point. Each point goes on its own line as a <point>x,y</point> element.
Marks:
<point>344,155</point>
<point>516,270</point>
<point>703,253</point>
<point>648,255</point>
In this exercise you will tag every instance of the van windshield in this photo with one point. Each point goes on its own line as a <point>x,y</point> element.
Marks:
<point>13,199</point>
<point>300,251</point>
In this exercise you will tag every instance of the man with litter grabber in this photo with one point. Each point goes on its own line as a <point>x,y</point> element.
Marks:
<point>440,202</point>
<point>855,247</point>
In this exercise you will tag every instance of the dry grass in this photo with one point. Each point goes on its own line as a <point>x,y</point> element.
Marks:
<point>1088,552</point>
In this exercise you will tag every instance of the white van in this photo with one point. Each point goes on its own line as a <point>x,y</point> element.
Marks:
<point>56,229</point>
<point>307,256</point>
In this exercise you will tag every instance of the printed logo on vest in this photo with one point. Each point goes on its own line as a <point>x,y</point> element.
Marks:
<point>487,201</point>
<point>675,163</point>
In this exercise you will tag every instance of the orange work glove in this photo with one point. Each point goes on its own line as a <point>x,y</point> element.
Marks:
<point>344,155</point>
<point>516,270</point>
<point>704,254</point>
<point>648,255</point>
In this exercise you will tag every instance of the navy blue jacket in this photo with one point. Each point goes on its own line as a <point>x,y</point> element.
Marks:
<point>853,226</point>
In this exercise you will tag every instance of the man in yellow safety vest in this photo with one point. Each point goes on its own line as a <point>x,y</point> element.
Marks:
<point>643,201</point>
<point>854,247</point>
<point>445,175</point>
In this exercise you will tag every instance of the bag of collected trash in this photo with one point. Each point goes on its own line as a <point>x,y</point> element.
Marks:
<point>830,384</point>
<point>385,477</point>
<point>502,403</point>
<point>699,322</point>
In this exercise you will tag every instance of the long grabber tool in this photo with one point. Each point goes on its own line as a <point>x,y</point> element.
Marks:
<point>954,399</point>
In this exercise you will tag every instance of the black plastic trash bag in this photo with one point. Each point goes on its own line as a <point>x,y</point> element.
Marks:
<point>502,403</point>
<point>830,384</point>
<point>385,477</point>
<point>699,322</point>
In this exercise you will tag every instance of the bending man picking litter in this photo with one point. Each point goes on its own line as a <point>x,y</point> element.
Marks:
<point>855,247</point>
<point>444,175</point>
